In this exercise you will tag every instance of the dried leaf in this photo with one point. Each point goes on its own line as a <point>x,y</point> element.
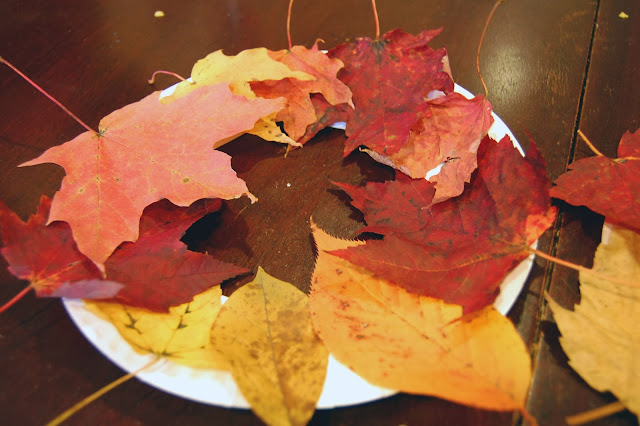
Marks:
<point>238,71</point>
<point>601,336</point>
<point>413,343</point>
<point>182,335</point>
<point>48,257</point>
<point>264,332</point>
<point>391,79</point>
<point>607,186</point>
<point>461,249</point>
<point>148,151</point>
<point>300,111</point>
<point>177,273</point>
<point>448,132</point>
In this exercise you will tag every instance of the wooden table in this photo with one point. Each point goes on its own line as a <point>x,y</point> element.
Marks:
<point>552,67</point>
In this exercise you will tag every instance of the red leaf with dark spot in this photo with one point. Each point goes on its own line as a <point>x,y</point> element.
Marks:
<point>458,250</point>
<point>607,186</point>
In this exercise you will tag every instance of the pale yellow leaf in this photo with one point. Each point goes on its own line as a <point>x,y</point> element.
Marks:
<point>182,335</point>
<point>264,331</point>
<point>601,336</point>
<point>413,343</point>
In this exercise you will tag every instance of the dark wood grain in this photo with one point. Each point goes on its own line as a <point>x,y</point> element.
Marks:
<point>610,107</point>
<point>96,57</point>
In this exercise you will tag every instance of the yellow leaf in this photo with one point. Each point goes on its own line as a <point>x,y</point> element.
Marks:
<point>601,336</point>
<point>264,332</point>
<point>413,343</point>
<point>182,335</point>
<point>238,71</point>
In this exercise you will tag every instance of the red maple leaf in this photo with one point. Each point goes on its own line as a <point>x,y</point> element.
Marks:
<point>606,186</point>
<point>158,271</point>
<point>48,257</point>
<point>144,152</point>
<point>458,250</point>
<point>391,79</point>
<point>155,272</point>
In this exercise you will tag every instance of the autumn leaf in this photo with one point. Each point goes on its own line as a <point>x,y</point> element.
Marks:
<point>238,71</point>
<point>326,115</point>
<point>300,111</point>
<point>461,249</point>
<point>264,332</point>
<point>607,186</point>
<point>601,336</point>
<point>147,151</point>
<point>177,274</point>
<point>391,79</point>
<point>182,335</point>
<point>447,133</point>
<point>399,206</point>
<point>316,63</point>
<point>48,257</point>
<point>413,343</point>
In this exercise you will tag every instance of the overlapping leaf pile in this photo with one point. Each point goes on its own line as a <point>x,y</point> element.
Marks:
<point>411,311</point>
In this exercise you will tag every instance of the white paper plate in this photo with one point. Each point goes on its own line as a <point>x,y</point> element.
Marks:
<point>342,386</point>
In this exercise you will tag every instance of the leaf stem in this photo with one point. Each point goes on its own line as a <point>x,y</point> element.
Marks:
<point>595,414</point>
<point>581,268</point>
<point>289,24</point>
<point>15,298</point>
<point>526,416</point>
<point>375,17</point>
<point>152,80</point>
<point>51,98</point>
<point>484,31</point>
<point>589,144</point>
<point>86,401</point>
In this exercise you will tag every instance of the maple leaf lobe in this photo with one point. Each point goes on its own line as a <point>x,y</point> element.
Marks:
<point>149,151</point>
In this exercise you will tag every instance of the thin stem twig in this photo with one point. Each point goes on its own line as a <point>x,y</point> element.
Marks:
<point>15,298</point>
<point>375,17</point>
<point>589,144</point>
<point>595,414</point>
<point>484,31</point>
<point>80,405</point>
<point>581,268</point>
<point>51,98</point>
<point>289,24</point>
<point>152,80</point>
